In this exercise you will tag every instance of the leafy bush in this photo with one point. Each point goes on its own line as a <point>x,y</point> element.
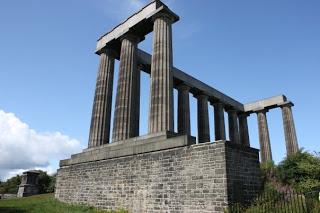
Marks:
<point>11,186</point>
<point>301,171</point>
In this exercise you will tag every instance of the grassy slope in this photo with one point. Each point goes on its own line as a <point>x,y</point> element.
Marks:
<point>43,204</point>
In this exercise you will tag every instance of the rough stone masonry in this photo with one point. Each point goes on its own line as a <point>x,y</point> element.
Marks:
<point>165,171</point>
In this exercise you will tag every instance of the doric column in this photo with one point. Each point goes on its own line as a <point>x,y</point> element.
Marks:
<point>289,129</point>
<point>233,126</point>
<point>183,109</point>
<point>243,129</point>
<point>101,111</point>
<point>161,97</point>
<point>219,125</point>
<point>126,114</point>
<point>264,139</point>
<point>203,119</point>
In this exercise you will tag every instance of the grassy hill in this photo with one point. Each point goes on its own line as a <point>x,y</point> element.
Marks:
<point>45,203</point>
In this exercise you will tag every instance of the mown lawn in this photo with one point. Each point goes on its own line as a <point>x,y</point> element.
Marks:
<point>45,203</point>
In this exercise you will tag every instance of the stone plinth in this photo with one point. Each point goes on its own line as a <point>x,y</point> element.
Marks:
<point>29,184</point>
<point>179,178</point>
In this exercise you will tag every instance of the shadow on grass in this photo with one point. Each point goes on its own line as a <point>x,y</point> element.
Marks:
<point>11,210</point>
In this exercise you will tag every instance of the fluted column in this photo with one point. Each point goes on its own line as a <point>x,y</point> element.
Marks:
<point>203,119</point>
<point>126,114</point>
<point>243,129</point>
<point>161,97</point>
<point>233,126</point>
<point>219,124</point>
<point>101,111</point>
<point>289,129</point>
<point>264,138</point>
<point>183,110</point>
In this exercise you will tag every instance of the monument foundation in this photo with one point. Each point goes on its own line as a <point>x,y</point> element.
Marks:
<point>179,176</point>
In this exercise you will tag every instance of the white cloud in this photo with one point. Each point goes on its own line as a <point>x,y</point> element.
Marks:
<point>22,148</point>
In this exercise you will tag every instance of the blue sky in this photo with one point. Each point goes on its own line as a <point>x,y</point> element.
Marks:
<point>249,49</point>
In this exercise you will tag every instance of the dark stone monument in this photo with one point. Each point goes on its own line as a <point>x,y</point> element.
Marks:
<point>29,184</point>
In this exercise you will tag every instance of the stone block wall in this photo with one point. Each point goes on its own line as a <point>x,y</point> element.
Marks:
<point>197,178</point>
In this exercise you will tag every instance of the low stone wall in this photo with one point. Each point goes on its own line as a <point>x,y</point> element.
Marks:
<point>194,178</point>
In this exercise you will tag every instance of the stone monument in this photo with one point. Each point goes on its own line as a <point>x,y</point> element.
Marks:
<point>164,171</point>
<point>29,184</point>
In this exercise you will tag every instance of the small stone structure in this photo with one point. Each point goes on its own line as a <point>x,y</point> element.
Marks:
<point>29,184</point>
<point>164,171</point>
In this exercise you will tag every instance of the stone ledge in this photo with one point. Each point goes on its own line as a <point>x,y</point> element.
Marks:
<point>132,146</point>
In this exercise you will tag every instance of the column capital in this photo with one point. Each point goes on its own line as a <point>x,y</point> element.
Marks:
<point>232,111</point>
<point>131,37</point>
<point>108,51</point>
<point>183,86</point>
<point>243,114</point>
<point>261,110</point>
<point>167,15</point>
<point>217,104</point>
<point>286,104</point>
<point>201,96</point>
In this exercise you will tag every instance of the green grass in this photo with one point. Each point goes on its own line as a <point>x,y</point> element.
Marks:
<point>45,203</point>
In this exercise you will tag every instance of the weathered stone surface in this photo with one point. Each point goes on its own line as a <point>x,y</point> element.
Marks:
<point>289,129</point>
<point>183,110</point>
<point>243,129</point>
<point>264,138</point>
<point>161,97</point>
<point>197,178</point>
<point>203,119</point>
<point>233,126</point>
<point>101,112</point>
<point>127,109</point>
<point>219,124</point>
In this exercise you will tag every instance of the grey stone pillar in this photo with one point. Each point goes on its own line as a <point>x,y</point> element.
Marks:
<point>203,119</point>
<point>101,111</point>
<point>126,114</point>
<point>243,129</point>
<point>233,126</point>
<point>264,138</point>
<point>289,129</point>
<point>161,97</point>
<point>219,125</point>
<point>183,110</point>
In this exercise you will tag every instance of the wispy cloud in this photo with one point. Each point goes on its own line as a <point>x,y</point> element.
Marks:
<point>120,10</point>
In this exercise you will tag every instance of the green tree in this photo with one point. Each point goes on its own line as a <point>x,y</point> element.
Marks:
<point>300,170</point>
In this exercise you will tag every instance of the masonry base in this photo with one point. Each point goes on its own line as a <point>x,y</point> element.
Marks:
<point>183,177</point>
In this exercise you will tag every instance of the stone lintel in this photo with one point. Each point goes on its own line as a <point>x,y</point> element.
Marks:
<point>268,103</point>
<point>140,23</point>
<point>132,146</point>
